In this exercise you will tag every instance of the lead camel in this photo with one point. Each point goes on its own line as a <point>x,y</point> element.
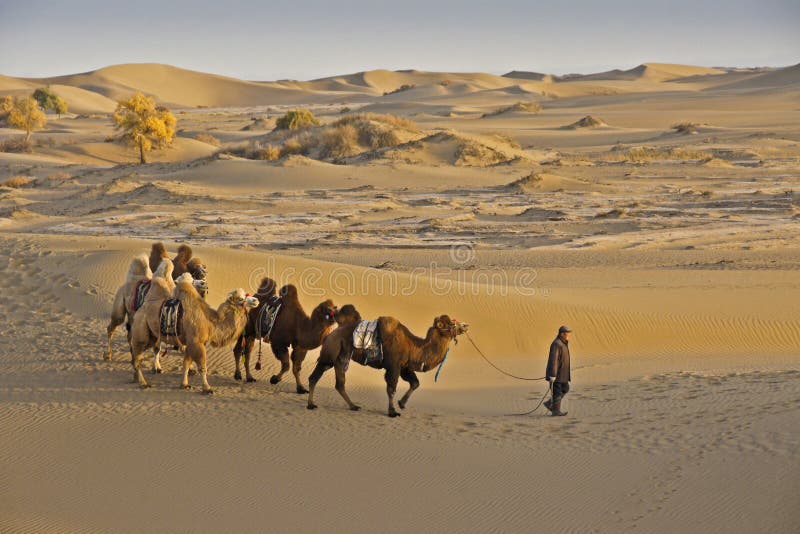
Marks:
<point>404,355</point>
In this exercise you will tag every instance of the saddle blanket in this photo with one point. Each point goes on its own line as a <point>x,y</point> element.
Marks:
<point>367,346</point>
<point>140,291</point>
<point>268,315</point>
<point>171,315</point>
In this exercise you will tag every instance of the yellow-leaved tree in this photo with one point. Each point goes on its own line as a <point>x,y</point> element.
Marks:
<point>144,123</point>
<point>26,115</point>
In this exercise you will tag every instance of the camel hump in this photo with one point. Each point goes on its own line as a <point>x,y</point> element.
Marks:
<point>139,266</point>
<point>165,269</point>
<point>289,293</point>
<point>184,289</point>
<point>184,253</point>
<point>267,287</point>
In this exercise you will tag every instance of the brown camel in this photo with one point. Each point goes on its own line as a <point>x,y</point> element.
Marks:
<point>158,252</point>
<point>138,270</point>
<point>292,328</point>
<point>404,354</point>
<point>200,324</point>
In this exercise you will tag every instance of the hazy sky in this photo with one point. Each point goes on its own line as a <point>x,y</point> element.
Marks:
<point>304,39</point>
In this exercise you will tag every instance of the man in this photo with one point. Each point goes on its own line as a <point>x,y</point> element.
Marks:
<point>558,370</point>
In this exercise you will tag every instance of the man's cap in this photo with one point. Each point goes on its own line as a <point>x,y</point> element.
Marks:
<point>564,328</point>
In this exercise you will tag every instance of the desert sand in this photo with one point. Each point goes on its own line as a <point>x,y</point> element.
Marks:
<point>673,253</point>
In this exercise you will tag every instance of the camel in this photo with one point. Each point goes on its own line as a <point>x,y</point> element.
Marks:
<point>293,327</point>
<point>138,270</point>
<point>200,324</point>
<point>123,308</point>
<point>404,354</point>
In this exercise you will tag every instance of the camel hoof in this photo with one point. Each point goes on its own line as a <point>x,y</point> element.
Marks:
<point>186,386</point>
<point>251,379</point>
<point>144,386</point>
<point>394,414</point>
<point>402,405</point>
<point>157,371</point>
<point>208,392</point>
<point>301,390</point>
<point>107,357</point>
<point>237,375</point>
<point>192,372</point>
<point>312,406</point>
<point>356,408</point>
<point>274,379</point>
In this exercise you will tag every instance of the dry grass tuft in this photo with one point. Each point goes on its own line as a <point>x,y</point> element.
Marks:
<point>524,107</point>
<point>687,128</point>
<point>17,145</point>
<point>208,139</point>
<point>16,182</point>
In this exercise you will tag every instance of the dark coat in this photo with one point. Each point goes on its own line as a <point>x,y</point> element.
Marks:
<point>558,362</point>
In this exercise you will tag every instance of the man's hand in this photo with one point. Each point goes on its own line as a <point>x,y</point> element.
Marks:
<point>550,380</point>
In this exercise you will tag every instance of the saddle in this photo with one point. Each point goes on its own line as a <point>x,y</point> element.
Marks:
<point>367,346</point>
<point>140,291</point>
<point>170,318</point>
<point>266,319</point>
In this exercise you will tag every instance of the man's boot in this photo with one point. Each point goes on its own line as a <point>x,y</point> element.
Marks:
<point>556,411</point>
<point>549,404</point>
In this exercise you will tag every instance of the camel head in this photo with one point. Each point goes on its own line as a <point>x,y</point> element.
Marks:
<point>348,314</point>
<point>238,297</point>
<point>326,312</point>
<point>200,285</point>
<point>197,268</point>
<point>448,327</point>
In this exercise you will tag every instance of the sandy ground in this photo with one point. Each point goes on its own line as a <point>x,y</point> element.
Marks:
<point>678,271</point>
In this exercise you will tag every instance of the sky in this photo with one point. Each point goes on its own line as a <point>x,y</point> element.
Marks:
<point>306,39</point>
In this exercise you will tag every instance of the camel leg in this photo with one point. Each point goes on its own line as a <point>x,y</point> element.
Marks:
<point>282,353</point>
<point>316,374</point>
<point>187,363</point>
<point>137,349</point>
<point>340,376</point>
<point>391,376</point>
<point>199,357</point>
<point>238,349</point>
<point>298,355</point>
<point>409,376</point>
<point>248,348</point>
<point>159,350</point>
<point>110,329</point>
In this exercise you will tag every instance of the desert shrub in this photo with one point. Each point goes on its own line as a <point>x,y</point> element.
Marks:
<point>296,119</point>
<point>291,147</point>
<point>344,110</point>
<point>472,153</point>
<point>527,107</point>
<point>643,153</point>
<point>376,130</point>
<point>445,83</point>
<point>208,139</point>
<point>267,153</point>
<point>15,182</point>
<point>505,138</point>
<point>16,144</point>
<point>47,99</point>
<point>686,127</point>
<point>339,142</point>
<point>6,105</point>
<point>404,87</point>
